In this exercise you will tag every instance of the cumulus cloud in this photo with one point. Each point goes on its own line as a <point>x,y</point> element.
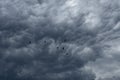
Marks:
<point>59,39</point>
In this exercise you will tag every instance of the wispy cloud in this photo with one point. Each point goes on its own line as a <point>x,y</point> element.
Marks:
<point>59,39</point>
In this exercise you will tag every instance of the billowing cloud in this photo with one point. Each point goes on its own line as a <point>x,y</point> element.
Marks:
<point>59,39</point>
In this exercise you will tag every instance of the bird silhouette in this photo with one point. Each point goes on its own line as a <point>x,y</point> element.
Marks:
<point>29,42</point>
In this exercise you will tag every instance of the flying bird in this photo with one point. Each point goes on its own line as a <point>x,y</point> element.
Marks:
<point>29,42</point>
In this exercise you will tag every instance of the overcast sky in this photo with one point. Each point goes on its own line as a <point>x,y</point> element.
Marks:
<point>59,39</point>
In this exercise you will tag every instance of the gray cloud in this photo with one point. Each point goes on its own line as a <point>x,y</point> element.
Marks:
<point>59,40</point>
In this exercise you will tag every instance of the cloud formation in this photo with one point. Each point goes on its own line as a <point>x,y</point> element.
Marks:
<point>59,39</point>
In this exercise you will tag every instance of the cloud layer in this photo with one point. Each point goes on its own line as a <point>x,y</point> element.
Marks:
<point>59,39</point>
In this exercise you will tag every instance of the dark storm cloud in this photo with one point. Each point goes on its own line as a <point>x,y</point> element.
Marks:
<point>59,40</point>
